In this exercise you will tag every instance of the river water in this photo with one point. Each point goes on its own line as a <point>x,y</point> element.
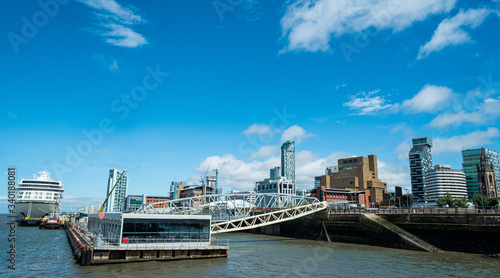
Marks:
<point>46,253</point>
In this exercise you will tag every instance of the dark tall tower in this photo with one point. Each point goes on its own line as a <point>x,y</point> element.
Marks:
<point>420,162</point>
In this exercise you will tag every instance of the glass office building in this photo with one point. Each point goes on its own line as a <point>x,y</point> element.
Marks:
<point>131,228</point>
<point>471,160</point>
<point>420,162</point>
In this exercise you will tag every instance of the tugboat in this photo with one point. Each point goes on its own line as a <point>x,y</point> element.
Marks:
<point>52,224</point>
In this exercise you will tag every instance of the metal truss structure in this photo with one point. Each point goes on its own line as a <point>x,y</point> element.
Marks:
<point>231,207</point>
<point>267,218</point>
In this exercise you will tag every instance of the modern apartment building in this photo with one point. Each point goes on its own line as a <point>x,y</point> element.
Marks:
<point>442,180</point>
<point>117,198</point>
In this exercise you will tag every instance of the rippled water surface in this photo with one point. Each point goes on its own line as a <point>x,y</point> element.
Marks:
<point>46,253</point>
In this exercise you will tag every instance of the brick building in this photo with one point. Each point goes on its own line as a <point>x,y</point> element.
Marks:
<point>357,174</point>
<point>342,196</point>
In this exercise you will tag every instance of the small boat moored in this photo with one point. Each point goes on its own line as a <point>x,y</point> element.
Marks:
<point>52,224</point>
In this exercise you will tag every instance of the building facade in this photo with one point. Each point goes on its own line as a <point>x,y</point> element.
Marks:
<point>357,174</point>
<point>117,198</point>
<point>276,185</point>
<point>486,177</point>
<point>175,188</point>
<point>342,197</point>
<point>442,180</point>
<point>134,202</point>
<point>472,158</point>
<point>420,162</point>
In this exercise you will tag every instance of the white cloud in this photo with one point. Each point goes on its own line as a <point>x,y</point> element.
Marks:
<point>266,151</point>
<point>112,8</point>
<point>260,129</point>
<point>460,142</point>
<point>120,35</point>
<point>403,149</point>
<point>115,22</point>
<point>295,133</point>
<point>368,103</point>
<point>450,31</point>
<point>309,165</point>
<point>309,25</point>
<point>430,99</point>
<point>488,111</point>
<point>394,175</point>
<point>240,175</point>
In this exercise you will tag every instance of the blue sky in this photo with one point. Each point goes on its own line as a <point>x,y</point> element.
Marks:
<point>164,88</point>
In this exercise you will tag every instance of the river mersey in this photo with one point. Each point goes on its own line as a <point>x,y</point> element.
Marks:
<point>46,253</point>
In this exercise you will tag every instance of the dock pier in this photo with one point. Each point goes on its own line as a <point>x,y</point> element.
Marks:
<point>90,249</point>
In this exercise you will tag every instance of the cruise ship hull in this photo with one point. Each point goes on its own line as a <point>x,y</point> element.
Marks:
<point>35,210</point>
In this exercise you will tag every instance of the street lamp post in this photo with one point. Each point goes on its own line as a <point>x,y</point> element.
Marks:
<point>407,198</point>
<point>481,193</point>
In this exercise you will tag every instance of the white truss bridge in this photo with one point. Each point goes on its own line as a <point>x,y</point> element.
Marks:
<point>237,212</point>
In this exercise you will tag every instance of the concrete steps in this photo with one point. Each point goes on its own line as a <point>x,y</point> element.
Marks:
<point>407,237</point>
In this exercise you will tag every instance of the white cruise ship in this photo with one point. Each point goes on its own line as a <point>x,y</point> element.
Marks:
<point>38,196</point>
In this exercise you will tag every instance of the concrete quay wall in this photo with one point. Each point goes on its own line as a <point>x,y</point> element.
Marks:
<point>470,233</point>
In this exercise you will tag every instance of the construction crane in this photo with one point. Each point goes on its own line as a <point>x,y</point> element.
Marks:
<point>206,172</point>
<point>107,197</point>
<point>216,181</point>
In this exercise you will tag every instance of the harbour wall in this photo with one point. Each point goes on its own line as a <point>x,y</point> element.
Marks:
<point>470,233</point>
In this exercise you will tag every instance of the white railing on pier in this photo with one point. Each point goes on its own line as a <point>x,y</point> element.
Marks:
<point>159,243</point>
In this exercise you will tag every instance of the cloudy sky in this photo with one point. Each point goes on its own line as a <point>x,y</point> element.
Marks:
<point>166,88</point>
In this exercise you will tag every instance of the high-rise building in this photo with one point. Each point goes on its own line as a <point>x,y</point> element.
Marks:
<point>357,174</point>
<point>420,163</point>
<point>442,180</point>
<point>284,183</point>
<point>117,198</point>
<point>471,160</point>
<point>175,188</point>
<point>288,160</point>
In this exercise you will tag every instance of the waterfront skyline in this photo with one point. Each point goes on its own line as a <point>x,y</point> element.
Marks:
<point>86,89</point>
